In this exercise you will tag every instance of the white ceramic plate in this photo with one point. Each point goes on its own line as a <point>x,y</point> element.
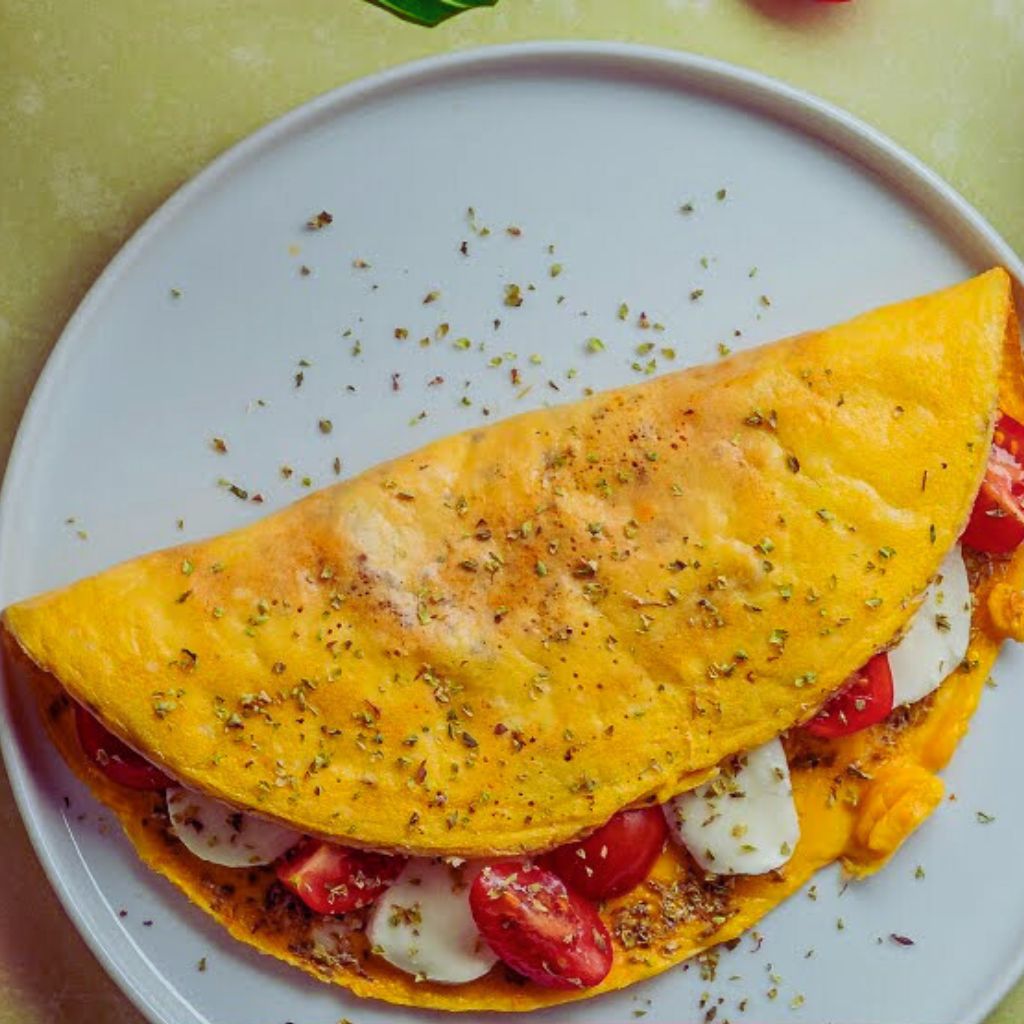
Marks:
<point>592,149</point>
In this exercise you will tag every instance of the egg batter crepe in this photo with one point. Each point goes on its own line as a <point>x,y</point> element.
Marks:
<point>617,565</point>
<point>492,645</point>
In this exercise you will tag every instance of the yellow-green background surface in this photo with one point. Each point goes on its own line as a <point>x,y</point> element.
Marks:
<point>106,106</point>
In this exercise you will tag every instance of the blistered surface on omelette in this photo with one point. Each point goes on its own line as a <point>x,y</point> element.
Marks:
<point>499,640</point>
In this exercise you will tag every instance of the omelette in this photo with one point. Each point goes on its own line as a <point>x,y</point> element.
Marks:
<point>544,708</point>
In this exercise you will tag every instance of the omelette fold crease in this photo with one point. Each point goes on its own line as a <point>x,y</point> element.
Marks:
<point>492,644</point>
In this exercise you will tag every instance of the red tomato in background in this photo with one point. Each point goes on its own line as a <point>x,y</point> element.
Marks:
<point>865,699</point>
<point>334,879</point>
<point>996,525</point>
<point>113,757</point>
<point>539,927</point>
<point>615,858</point>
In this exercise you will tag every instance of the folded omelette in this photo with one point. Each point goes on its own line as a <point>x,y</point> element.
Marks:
<point>543,708</point>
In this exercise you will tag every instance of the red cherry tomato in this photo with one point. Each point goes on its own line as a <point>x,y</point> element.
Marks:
<point>615,858</point>
<point>540,928</point>
<point>1009,435</point>
<point>116,759</point>
<point>334,879</point>
<point>865,699</point>
<point>996,525</point>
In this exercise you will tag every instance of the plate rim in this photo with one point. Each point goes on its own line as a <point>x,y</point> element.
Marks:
<point>767,96</point>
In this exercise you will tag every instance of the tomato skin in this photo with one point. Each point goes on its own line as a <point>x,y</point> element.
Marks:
<point>615,858</point>
<point>540,927</point>
<point>332,879</point>
<point>1009,435</point>
<point>115,758</point>
<point>865,699</point>
<point>996,525</point>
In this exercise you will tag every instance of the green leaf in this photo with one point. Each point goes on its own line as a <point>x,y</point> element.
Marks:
<point>430,12</point>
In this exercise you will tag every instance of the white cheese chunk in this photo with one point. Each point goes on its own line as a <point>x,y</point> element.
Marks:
<point>936,640</point>
<point>744,822</point>
<point>423,924</point>
<point>221,835</point>
<point>331,938</point>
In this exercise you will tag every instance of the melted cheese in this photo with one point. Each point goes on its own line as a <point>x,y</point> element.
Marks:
<point>745,821</point>
<point>221,835</point>
<point>423,925</point>
<point>935,642</point>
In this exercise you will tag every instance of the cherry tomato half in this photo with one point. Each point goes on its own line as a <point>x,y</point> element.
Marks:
<point>615,858</point>
<point>539,927</point>
<point>865,699</point>
<point>113,757</point>
<point>334,879</point>
<point>996,525</point>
